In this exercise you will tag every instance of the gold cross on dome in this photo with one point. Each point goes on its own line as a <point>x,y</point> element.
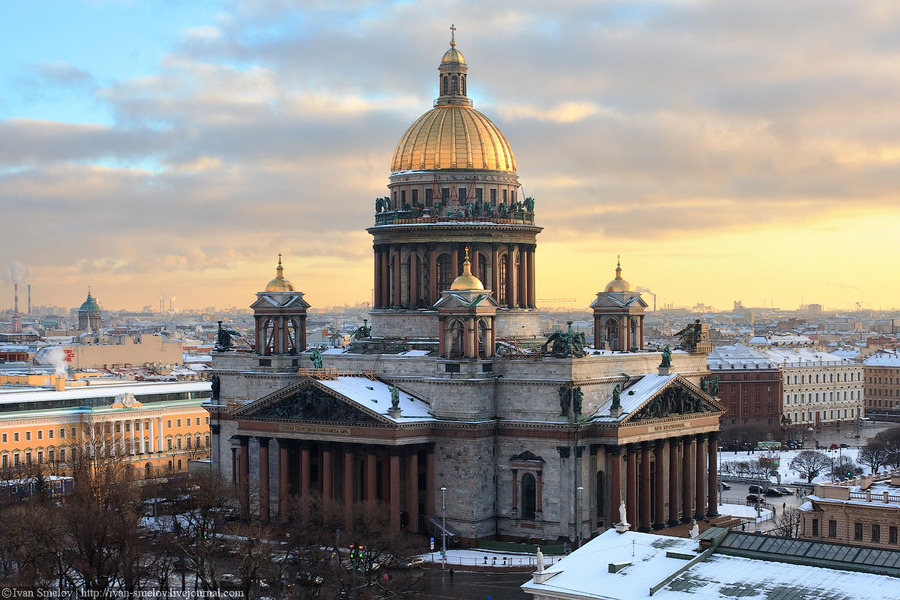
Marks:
<point>452,35</point>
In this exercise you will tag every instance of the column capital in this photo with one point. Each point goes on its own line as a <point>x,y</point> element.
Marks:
<point>713,436</point>
<point>579,451</point>
<point>215,428</point>
<point>263,441</point>
<point>645,446</point>
<point>564,451</point>
<point>614,449</point>
<point>660,444</point>
<point>495,246</point>
<point>687,439</point>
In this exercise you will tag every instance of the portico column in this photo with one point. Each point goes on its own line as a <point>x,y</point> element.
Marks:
<point>713,479</point>
<point>674,447</point>
<point>432,274</point>
<point>686,480</point>
<point>284,489</point>
<point>413,277</point>
<point>304,470</point>
<point>454,261</point>
<point>396,293</point>
<point>429,481</point>
<point>244,475</point>
<point>327,474</point>
<point>631,477</point>
<point>532,294</point>
<point>159,435</point>
<point>539,501</point>
<point>615,480</point>
<point>263,479</point>
<point>150,440</point>
<point>377,287</point>
<point>511,276</point>
<point>645,487</point>
<point>412,490</point>
<point>700,476</point>
<point>394,460</point>
<point>121,438</point>
<point>659,447</point>
<point>386,276</point>
<point>134,449</point>
<point>349,479</point>
<point>495,270</point>
<point>523,276</point>
<point>371,474</point>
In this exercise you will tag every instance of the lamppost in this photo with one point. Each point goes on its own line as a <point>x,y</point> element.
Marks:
<point>443,528</point>
<point>578,503</point>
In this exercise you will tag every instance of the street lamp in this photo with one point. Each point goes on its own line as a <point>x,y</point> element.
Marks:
<point>443,529</point>
<point>578,502</point>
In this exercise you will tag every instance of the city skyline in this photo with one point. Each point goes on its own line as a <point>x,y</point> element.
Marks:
<point>738,151</point>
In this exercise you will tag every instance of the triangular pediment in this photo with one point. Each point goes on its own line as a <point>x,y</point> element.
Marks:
<point>307,400</point>
<point>526,456</point>
<point>280,300</point>
<point>678,398</point>
<point>618,300</point>
<point>463,300</point>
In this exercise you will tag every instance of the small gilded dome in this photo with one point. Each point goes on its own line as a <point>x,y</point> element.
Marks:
<point>279,284</point>
<point>467,281</point>
<point>618,284</point>
<point>453,56</point>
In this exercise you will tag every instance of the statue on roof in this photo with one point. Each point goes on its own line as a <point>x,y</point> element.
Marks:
<point>577,399</point>
<point>617,397</point>
<point>363,331</point>
<point>691,335</point>
<point>666,357</point>
<point>395,396</point>
<point>224,337</point>
<point>566,343</point>
<point>529,204</point>
<point>216,387</point>
<point>714,386</point>
<point>564,400</point>
<point>540,560</point>
<point>316,357</point>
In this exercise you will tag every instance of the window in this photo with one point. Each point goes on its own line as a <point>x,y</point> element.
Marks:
<point>178,443</point>
<point>62,454</point>
<point>27,436</point>
<point>40,434</point>
<point>50,433</point>
<point>857,531</point>
<point>177,422</point>
<point>188,442</point>
<point>16,459</point>
<point>169,424</point>
<point>5,440</point>
<point>73,432</point>
<point>815,527</point>
<point>197,422</point>
<point>529,496</point>
<point>207,420</point>
<point>876,533</point>
<point>16,437</point>
<point>832,528</point>
<point>62,432</point>
<point>4,462</point>
<point>40,457</point>
<point>51,455</point>
<point>28,458</point>
<point>169,444</point>
<point>892,534</point>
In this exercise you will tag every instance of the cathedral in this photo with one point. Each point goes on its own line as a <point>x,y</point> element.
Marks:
<point>451,405</point>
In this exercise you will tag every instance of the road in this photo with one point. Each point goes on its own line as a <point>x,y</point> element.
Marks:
<point>475,586</point>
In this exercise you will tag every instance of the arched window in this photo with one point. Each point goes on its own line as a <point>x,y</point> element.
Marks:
<point>501,293</point>
<point>529,496</point>
<point>612,334</point>
<point>446,86</point>
<point>484,338</point>
<point>454,85</point>
<point>455,341</point>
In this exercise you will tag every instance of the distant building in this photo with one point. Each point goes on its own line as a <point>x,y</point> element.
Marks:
<point>109,352</point>
<point>882,373</point>
<point>89,315</point>
<point>749,386</point>
<point>857,511</point>
<point>47,422</point>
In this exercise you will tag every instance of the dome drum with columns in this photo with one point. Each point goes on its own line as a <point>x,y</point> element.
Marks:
<point>453,185</point>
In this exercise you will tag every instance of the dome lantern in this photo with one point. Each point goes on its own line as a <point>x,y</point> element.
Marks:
<point>279,284</point>
<point>618,284</point>
<point>467,281</point>
<point>452,78</point>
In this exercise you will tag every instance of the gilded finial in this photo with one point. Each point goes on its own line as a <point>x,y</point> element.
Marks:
<point>279,272</point>
<point>452,36</point>
<point>619,266</point>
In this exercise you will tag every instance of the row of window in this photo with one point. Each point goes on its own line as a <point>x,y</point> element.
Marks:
<point>803,378</point>
<point>814,399</point>
<point>858,529</point>
<point>98,430</point>
<point>16,459</point>
<point>881,392</point>
<point>887,404</point>
<point>887,380</point>
<point>821,415</point>
<point>448,195</point>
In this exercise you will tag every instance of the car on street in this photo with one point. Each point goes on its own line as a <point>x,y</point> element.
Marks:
<point>724,485</point>
<point>753,498</point>
<point>784,491</point>
<point>845,445</point>
<point>772,492</point>
<point>757,489</point>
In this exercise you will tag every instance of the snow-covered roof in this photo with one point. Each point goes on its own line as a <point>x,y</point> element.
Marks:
<point>39,394</point>
<point>810,356</point>
<point>737,357</point>
<point>634,396</point>
<point>883,358</point>
<point>376,397</point>
<point>646,560</point>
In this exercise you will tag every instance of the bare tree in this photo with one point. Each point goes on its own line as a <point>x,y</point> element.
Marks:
<point>875,454</point>
<point>810,463</point>
<point>845,467</point>
<point>787,524</point>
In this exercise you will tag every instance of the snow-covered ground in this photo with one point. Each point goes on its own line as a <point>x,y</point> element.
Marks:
<point>788,475</point>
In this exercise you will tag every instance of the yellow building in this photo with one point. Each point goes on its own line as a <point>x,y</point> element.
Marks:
<point>48,422</point>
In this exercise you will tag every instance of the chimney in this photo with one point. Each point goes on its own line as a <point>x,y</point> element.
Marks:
<point>60,383</point>
<point>16,298</point>
<point>29,298</point>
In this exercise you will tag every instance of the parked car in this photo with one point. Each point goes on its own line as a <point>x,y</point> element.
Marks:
<point>757,489</point>
<point>772,492</point>
<point>724,485</point>
<point>784,491</point>
<point>835,446</point>
<point>845,445</point>
<point>752,498</point>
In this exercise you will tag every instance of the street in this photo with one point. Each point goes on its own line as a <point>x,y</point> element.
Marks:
<point>475,585</point>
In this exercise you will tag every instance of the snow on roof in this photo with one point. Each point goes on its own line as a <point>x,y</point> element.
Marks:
<point>634,396</point>
<point>883,358</point>
<point>38,394</point>
<point>585,574</point>
<point>737,357</point>
<point>376,397</point>
<point>803,355</point>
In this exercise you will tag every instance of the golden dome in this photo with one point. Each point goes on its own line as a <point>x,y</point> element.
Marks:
<point>467,281</point>
<point>279,284</point>
<point>453,56</point>
<point>452,136</point>
<point>618,284</point>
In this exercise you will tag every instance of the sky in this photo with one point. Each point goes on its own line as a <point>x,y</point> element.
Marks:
<point>745,150</point>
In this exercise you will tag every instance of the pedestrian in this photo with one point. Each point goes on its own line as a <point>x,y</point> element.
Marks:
<point>451,574</point>
<point>783,506</point>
